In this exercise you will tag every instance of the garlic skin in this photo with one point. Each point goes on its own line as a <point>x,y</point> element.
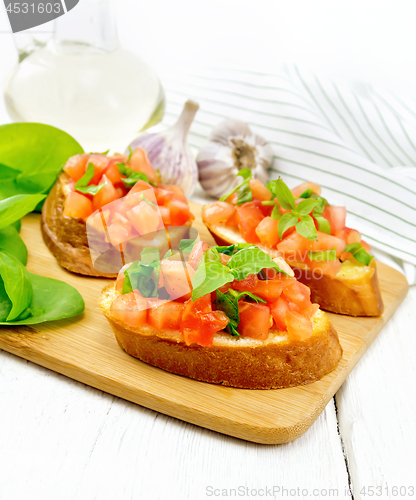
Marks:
<point>168,151</point>
<point>232,147</point>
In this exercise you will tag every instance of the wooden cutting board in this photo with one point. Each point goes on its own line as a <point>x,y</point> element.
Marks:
<point>84,348</point>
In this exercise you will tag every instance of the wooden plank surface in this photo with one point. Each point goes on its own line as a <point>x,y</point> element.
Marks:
<point>84,348</point>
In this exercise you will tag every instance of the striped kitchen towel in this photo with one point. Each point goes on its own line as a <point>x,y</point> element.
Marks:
<point>357,141</point>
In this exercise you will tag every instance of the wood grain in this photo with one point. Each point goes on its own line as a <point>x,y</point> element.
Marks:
<point>85,349</point>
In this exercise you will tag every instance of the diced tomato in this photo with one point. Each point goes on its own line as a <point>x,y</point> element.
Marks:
<point>327,242</point>
<point>249,217</point>
<point>165,213</point>
<point>120,282</point>
<point>118,233</point>
<point>140,163</point>
<point>179,211</point>
<point>247,284</point>
<point>164,314</point>
<point>130,309</point>
<point>255,320</point>
<point>294,247</point>
<point>139,187</point>
<point>298,190</point>
<point>106,195</point>
<point>77,205</point>
<point>177,278</point>
<point>197,252</point>
<point>144,218</point>
<point>233,198</point>
<point>225,287</point>
<point>100,163</point>
<point>218,212</point>
<point>232,221</point>
<point>297,292</point>
<point>113,173</point>
<point>163,195</point>
<point>76,165</point>
<point>279,310</point>
<point>349,235</point>
<point>336,217</point>
<point>267,232</point>
<point>269,290</point>
<point>259,190</point>
<point>310,311</point>
<point>366,246</point>
<point>298,326</point>
<point>199,323</point>
<point>224,258</point>
<point>179,194</point>
<point>329,267</point>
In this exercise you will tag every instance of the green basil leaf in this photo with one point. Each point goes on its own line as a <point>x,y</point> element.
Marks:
<point>323,255</point>
<point>36,153</point>
<point>287,220</point>
<point>243,189</point>
<point>228,304</point>
<point>250,261</point>
<point>82,184</point>
<point>305,207</point>
<point>211,255</point>
<point>149,255</point>
<point>12,243</point>
<point>307,194</point>
<point>276,213</point>
<point>14,208</point>
<point>306,228</point>
<point>131,175</point>
<point>52,300</point>
<point>186,245</point>
<point>232,249</point>
<point>283,194</point>
<point>323,224</point>
<point>18,287</point>
<point>142,277</point>
<point>210,276</point>
<point>359,253</point>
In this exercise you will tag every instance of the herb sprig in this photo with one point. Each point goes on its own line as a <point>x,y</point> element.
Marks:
<point>243,190</point>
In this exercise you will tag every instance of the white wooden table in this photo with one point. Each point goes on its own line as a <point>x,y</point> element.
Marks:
<point>60,439</point>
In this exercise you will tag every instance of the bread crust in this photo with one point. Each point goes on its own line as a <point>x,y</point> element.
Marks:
<point>237,362</point>
<point>354,292</point>
<point>66,237</point>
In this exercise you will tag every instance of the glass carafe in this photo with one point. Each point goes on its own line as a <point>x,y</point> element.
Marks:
<point>82,81</point>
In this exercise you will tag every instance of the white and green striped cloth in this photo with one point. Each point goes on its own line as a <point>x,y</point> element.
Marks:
<point>357,141</point>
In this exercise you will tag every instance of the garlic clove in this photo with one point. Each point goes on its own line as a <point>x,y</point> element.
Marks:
<point>232,147</point>
<point>168,151</point>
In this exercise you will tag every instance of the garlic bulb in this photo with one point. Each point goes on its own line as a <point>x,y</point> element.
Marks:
<point>169,152</point>
<point>232,147</point>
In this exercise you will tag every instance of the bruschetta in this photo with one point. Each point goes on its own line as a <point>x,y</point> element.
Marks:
<point>309,233</point>
<point>225,315</point>
<point>90,182</point>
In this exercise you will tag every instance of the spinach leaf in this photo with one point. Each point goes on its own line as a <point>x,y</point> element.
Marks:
<point>5,302</point>
<point>32,155</point>
<point>15,207</point>
<point>12,243</point>
<point>17,225</point>
<point>16,283</point>
<point>52,300</point>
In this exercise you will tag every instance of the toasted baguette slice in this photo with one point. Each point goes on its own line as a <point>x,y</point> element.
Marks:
<point>233,361</point>
<point>66,237</point>
<point>354,291</point>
